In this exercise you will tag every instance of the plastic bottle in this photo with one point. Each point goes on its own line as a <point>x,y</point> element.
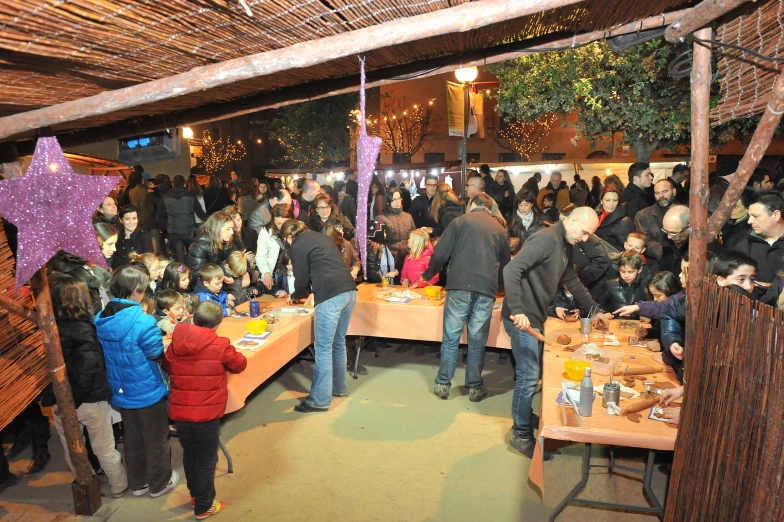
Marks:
<point>586,394</point>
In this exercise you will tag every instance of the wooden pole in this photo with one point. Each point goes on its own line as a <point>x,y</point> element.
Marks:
<point>698,193</point>
<point>759,143</point>
<point>332,87</point>
<point>19,309</point>
<point>699,16</point>
<point>462,18</point>
<point>86,490</point>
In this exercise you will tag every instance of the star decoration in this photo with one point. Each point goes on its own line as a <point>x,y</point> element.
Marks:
<point>52,207</point>
<point>367,153</point>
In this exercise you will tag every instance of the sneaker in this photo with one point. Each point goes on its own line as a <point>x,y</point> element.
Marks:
<point>175,478</point>
<point>441,390</point>
<point>38,465</point>
<point>526,447</point>
<point>477,393</point>
<point>304,407</point>
<point>215,508</point>
<point>140,492</point>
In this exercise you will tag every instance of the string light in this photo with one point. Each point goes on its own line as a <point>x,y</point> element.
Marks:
<point>527,138</point>
<point>216,153</point>
<point>404,128</point>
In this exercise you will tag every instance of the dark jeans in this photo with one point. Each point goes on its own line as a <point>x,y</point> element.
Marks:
<point>152,239</point>
<point>465,308</point>
<point>199,456</point>
<point>179,245</point>
<point>36,424</point>
<point>146,446</point>
<point>5,473</point>
<point>527,352</point>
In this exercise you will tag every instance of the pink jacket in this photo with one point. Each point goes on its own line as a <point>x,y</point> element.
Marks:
<point>413,268</point>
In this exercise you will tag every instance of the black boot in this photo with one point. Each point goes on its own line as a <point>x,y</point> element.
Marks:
<point>21,442</point>
<point>39,463</point>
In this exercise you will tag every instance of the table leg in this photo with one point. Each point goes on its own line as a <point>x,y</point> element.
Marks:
<point>227,454</point>
<point>648,491</point>
<point>360,340</point>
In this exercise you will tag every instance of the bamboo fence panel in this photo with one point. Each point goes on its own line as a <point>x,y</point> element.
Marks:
<point>23,373</point>
<point>729,455</point>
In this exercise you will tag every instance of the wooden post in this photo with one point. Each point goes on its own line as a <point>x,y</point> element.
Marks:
<point>700,16</point>
<point>762,137</point>
<point>698,193</point>
<point>86,489</point>
<point>457,19</point>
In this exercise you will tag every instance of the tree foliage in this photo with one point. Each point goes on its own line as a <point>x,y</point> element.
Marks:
<point>629,92</point>
<point>316,133</point>
<point>216,153</point>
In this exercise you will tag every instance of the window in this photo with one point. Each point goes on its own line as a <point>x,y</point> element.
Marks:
<point>472,157</point>
<point>434,157</point>
<point>508,157</point>
<point>553,156</point>
<point>400,158</point>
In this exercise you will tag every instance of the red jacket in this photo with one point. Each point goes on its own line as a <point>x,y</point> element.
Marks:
<point>197,361</point>
<point>413,268</point>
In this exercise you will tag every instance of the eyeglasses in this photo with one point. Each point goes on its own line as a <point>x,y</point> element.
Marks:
<point>322,208</point>
<point>675,234</point>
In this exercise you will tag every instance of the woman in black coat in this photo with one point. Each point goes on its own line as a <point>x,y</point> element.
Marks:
<point>130,238</point>
<point>399,225</point>
<point>614,224</point>
<point>444,208</point>
<point>527,218</point>
<point>215,196</point>
<point>213,243</point>
<point>327,213</point>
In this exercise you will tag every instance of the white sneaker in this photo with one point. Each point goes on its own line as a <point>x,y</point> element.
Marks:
<point>175,477</point>
<point>140,492</point>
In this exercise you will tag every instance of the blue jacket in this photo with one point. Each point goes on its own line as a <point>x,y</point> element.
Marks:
<point>132,347</point>
<point>205,295</point>
<point>673,328</point>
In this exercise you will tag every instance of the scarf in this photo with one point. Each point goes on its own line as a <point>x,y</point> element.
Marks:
<point>602,216</point>
<point>526,219</point>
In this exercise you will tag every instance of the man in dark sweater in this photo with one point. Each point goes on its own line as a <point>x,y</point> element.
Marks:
<point>319,268</point>
<point>531,280</point>
<point>476,247</point>
<point>637,194</point>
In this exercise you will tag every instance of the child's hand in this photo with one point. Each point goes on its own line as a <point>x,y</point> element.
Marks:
<point>564,314</point>
<point>310,300</point>
<point>282,293</point>
<point>230,299</point>
<point>354,272</point>
<point>250,256</point>
<point>673,394</point>
<point>393,273</point>
<point>627,310</point>
<point>245,281</point>
<point>677,351</point>
<point>253,292</point>
<point>673,415</point>
<point>642,332</point>
<point>228,280</point>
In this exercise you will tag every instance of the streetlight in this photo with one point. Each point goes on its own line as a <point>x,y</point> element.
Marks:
<point>465,76</point>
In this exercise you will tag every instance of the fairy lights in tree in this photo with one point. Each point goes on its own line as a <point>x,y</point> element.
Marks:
<point>404,126</point>
<point>527,138</point>
<point>216,153</point>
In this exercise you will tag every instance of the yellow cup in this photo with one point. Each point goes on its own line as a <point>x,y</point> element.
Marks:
<point>432,291</point>
<point>575,370</point>
<point>257,326</point>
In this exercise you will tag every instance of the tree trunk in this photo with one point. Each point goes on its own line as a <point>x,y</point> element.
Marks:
<point>643,149</point>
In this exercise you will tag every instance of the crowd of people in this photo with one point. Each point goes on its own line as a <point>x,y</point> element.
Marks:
<point>182,256</point>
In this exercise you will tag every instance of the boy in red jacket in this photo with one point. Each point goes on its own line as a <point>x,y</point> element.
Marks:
<point>197,361</point>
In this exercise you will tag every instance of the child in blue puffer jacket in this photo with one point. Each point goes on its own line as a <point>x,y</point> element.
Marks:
<point>132,347</point>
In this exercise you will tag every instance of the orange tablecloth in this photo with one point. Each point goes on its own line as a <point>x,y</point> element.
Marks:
<point>600,428</point>
<point>281,347</point>
<point>415,321</point>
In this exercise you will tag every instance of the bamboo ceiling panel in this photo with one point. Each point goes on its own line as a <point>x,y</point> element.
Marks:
<point>57,51</point>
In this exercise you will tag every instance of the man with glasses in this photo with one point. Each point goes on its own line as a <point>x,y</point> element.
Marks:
<point>649,220</point>
<point>420,206</point>
<point>676,229</point>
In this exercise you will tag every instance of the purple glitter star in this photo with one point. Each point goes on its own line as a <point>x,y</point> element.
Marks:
<point>367,152</point>
<point>52,207</point>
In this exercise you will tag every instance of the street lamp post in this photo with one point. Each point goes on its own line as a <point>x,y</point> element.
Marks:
<point>465,76</point>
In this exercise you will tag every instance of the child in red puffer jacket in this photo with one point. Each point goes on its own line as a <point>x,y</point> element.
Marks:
<point>197,361</point>
<point>418,258</point>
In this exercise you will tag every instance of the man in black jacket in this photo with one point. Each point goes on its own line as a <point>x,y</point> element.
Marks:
<point>319,268</point>
<point>636,195</point>
<point>310,189</point>
<point>476,247</point>
<point>420,205</point>
<point>649,220</point>
<point>680,173</point>
<point>765,243</point>
<point>532,184</point>
<point>176,215</point>
<point>531,280</point>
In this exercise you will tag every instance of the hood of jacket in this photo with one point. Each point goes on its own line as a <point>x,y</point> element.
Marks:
<point>178,193</point>
<point>200,288</point>
<point>117,319</point>
<point>189,339</point>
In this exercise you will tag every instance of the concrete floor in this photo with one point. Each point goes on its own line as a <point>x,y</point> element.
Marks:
<point>391,451</point>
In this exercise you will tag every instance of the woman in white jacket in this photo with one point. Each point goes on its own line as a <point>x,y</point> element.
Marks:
<point>270,243</point>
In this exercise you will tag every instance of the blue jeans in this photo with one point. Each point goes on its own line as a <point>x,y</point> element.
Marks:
<point>463,307</point>
<point>330,325</point>
<point>527,352</point>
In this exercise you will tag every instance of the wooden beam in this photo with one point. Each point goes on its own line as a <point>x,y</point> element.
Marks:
<point>759,143</point>
<point>332,87</point>
<point>18,309</point>
<point>698,193</point>
<point>699,16</point>
<point>462,18</point>
<point>86,490</point>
